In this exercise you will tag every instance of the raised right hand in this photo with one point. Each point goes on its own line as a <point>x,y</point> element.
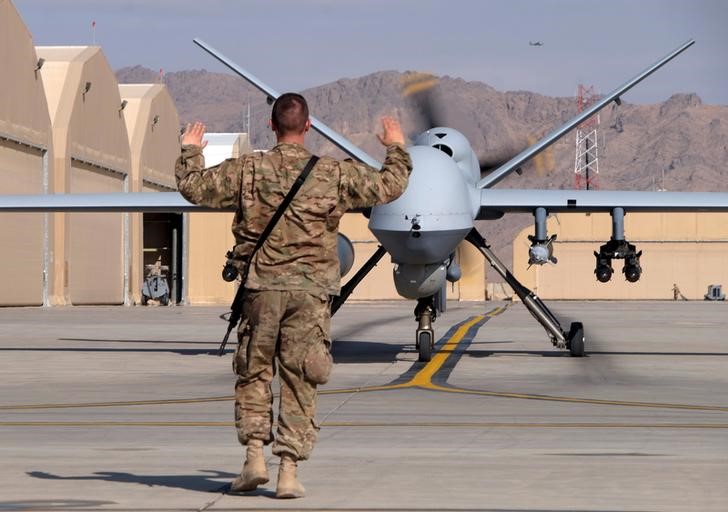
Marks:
<point>391,132</point>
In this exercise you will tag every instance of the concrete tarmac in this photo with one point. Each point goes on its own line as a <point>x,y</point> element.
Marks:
<point>112,408</point>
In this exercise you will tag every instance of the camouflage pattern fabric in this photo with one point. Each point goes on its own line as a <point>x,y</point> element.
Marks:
<point>300,253</point>
<point>288,326</point>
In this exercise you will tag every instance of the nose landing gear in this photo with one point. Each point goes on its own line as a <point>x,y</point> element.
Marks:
<point>425,314</point>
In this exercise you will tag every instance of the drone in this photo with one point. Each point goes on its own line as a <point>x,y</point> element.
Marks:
<point>448,190</point>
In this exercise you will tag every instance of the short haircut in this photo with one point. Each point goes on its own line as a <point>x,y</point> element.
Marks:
<point>290,113</point>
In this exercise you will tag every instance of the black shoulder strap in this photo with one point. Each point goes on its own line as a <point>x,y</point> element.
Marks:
<point>282,207</point>
<point>236,308</point>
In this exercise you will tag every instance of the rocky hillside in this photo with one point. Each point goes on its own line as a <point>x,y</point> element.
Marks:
<point>680,144</point>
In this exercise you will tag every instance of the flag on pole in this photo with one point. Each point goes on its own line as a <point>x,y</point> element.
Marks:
<point>93,32</point>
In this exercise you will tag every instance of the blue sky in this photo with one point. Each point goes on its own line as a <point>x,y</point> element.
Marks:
<point>295,44</point>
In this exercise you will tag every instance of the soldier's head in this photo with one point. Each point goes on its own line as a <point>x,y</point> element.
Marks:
<point>290,115</point>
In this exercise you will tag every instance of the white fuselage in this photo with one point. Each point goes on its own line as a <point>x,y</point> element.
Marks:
<point>423,227</point>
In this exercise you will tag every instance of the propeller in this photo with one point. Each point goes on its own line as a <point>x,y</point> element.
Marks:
<point>420,90</point>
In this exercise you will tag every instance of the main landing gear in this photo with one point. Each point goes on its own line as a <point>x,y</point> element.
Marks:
<point>573,340</point>
<point>428,307</point>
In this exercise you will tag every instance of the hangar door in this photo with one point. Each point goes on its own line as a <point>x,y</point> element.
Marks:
<point>21,265</point>
<point>163,250</point>
<point>96,241</point>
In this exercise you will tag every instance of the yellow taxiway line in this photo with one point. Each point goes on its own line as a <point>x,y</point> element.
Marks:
<point>423,378</point>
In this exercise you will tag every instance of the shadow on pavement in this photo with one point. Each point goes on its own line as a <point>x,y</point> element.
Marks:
<point>202,482</point>
<point>61,504</point>
<point>565,353</point>
<point>346,351</point>
<point>180,351</point>
<point>169,342</point>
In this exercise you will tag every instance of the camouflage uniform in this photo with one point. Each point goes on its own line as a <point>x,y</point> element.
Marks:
<point>286,311</point>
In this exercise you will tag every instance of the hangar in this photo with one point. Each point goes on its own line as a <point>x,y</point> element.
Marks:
<point>25,153</point>
<point>63,129</point>
<point>153,127</point>
<point>90,154</point>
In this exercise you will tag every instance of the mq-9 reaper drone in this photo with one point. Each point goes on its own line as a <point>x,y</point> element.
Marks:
<point>448,191</point>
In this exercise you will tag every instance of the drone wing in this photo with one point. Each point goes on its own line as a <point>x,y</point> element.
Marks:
<point>118,202</point>
<point>495,202</point>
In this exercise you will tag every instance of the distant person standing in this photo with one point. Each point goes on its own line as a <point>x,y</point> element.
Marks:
<point>676,293</point>
<point>286,312</point>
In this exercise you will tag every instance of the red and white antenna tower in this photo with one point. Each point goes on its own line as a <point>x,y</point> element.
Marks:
<point>586,163</point>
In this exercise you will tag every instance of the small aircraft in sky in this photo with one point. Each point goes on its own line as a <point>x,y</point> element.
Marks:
<point>449,189</point>
<point>535,43</point>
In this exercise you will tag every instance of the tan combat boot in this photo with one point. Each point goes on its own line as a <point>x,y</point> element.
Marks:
<point>254,471</point>
<point>288,484</point>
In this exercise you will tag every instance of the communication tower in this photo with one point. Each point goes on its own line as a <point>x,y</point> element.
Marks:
<point>586,163</point>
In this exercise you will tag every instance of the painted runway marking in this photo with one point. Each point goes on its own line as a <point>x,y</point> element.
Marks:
<point>125,403</point>
<point>429,377</point>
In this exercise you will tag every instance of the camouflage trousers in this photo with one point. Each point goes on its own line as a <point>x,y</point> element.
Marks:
<point>281,330</point>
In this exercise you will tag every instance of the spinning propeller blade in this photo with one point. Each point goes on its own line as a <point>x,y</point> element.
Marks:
<point>420,89</point>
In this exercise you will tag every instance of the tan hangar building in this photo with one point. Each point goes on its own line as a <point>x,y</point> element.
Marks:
<point>153,129</point>
<point>90,155</point>
<point>66,127</point>
<point>25,156</point>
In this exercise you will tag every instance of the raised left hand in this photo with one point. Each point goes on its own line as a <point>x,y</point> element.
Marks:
<point>193,135</point>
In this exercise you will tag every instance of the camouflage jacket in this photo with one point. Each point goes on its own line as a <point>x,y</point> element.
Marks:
<point>300,253</point>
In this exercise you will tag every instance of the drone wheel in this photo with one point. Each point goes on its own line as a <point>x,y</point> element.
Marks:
<point>424,345</point>
<point>575,339</point>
